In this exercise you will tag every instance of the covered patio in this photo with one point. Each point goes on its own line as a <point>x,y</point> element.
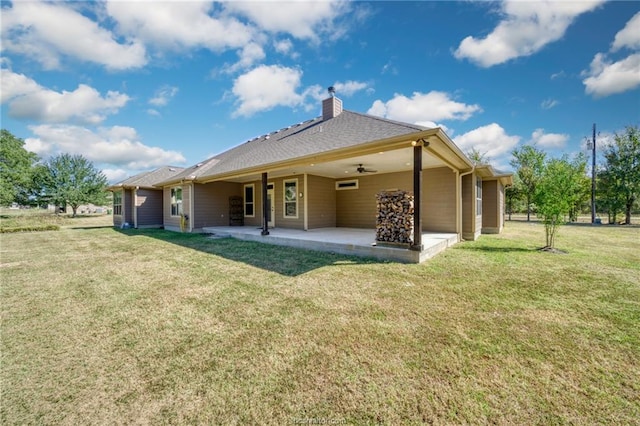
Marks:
<point>347,241</point>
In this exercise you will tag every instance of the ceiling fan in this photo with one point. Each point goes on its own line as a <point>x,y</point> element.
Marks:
<point>362,169</point>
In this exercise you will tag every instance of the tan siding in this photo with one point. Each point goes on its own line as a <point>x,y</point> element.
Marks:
<point>149,202</point>
<point>357,208</point>
<point>211,203</point>
<point>490,204</point>
<point>256,220</point>
<point>501,205</point>
<point>171,221</point>
<point>468,201</point>
<point>281,221</point>
<point>321,202</point>
<point>128,206</point>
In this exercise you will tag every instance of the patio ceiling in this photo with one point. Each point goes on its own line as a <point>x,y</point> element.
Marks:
<point>390,161</point>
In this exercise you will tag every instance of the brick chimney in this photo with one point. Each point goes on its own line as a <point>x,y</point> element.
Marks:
<point>332,106</point>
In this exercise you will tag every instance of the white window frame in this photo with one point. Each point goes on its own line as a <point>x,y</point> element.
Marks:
<point>347,188</point>
<point>179,209</point>
<point>117,202</point>
<point>284,198</point>
<point>252,202</point>
<point>478,196</point>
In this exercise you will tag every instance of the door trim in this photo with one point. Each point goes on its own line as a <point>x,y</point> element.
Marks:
<point>271,192</point>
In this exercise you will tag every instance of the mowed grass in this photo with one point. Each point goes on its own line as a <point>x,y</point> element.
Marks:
<point>153,327</point>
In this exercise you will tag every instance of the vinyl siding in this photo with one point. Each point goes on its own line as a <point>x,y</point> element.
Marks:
<point>357,208</point>
<point>490,210</point>
<point>468,206</point>
<point>321,202</point>
<point>174,221</point>
<point>211,203</point>
<point>149,202</point>
<point>256,220</point>
<point>127,208</point>
<point>280,220</point>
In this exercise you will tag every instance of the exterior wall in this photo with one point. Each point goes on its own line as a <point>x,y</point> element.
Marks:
<point>493,207</point>
<point>256,220</point>
<point>356,208</point>
<point>117,219</point>
<point>321,202</point>
<point>211,203</point>
<point>149,205</point>
<point>281,221</point>
<point>127,208</point>
<point>468,206</point>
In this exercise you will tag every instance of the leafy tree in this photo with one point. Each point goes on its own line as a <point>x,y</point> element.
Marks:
<point>73,180</point>
<point>16,169</point>
<point>621,175</point>
<point>583,189</point>
<point>608,198</point>
<point>559,188</point>
<point>513,194</point>
<point>529,163</point>
<point>477,157</point>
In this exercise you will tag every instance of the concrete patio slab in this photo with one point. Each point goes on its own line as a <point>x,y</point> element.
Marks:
<point>348,241</point>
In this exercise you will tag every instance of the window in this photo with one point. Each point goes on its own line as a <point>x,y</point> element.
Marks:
<point>176,201</point>
<point>249,194</point>
<point>346,184</point>
<point>478,196</point>
<point>117,203</point>
<point>291,198</point>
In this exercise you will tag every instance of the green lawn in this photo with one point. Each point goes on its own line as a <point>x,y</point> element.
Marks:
<point>107,326</point>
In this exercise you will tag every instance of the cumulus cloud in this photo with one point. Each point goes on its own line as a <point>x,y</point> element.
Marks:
<point>301,19</point>
<point>249,55</point>
<point>116,175</point>
<point>607,77</point>
<point>548,140</point>
<point>527,26</point>
<point>46,32</point>
<point>349,87</point>
<point>179,25</point>
<point>423,107</point>
<point>163,95</point>
<point>28,100</point>
<point>266,87</point>
<point>491,139</point>
<point>117,146</point>
<point>629,36</point>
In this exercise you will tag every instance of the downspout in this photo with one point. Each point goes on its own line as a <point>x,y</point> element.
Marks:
<point>191,206</point>
<point>305,202</point>
<point>459,200</point>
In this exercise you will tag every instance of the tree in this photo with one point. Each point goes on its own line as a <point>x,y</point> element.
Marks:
<point>529,163</point>
<point>16,166</point>
<point>73,180</point>
<point>621,175</point>
<point>513,194</point>
<point>477,157</point>
<point>608,198</point>
<point>559,188</point>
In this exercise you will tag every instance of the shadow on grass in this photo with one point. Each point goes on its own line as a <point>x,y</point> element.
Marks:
<point>494,249</point>
<point>288,261</point>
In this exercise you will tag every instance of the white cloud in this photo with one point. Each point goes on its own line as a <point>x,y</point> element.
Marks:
<point>284,46</point>
<point>490,139</point>
<point>629,36</point>
<point>249,55</point>
<point>153,112</point>
<point>526,28</point>
<point>179,25</point>
<point>301,19</point>
<point>163,95</point>
<point>47,31</point>
<point>28,100</point>
<point>549,103</point>
<point>349,87</point>
<point>548,140</point>
<point>606,78</point>
<point>117,146</point>
<point>423,107</point>
<point>266,87</point>
<point>116,175</point>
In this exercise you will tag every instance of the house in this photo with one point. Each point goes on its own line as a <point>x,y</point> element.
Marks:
<point>137,202</point>
<point>325,173</point>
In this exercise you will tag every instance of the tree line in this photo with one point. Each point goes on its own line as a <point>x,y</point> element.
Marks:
<point>63,180</point>
<point>559,189</point>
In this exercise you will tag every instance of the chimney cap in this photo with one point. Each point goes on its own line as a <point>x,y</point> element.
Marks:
<point>332,91</point>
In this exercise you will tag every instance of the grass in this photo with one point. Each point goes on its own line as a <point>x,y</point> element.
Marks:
<point>110,326</point>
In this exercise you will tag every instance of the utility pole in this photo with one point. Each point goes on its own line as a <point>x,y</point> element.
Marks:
<point>593,176</point>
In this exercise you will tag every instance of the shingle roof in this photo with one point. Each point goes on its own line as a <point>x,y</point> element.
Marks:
<point>150,178</point>
<point>307,138</point>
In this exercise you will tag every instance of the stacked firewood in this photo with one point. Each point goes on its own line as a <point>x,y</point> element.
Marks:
<point>394,219</point>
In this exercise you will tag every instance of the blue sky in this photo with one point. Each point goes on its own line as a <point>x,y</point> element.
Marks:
<point>133,85</point>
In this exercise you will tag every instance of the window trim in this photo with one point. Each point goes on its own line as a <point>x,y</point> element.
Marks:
<point>179,204</point>
<point>284,199</point>
<point>117,207</point>
<point>347,188</point>
<point>478,196</point>
<point>253,201</point>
